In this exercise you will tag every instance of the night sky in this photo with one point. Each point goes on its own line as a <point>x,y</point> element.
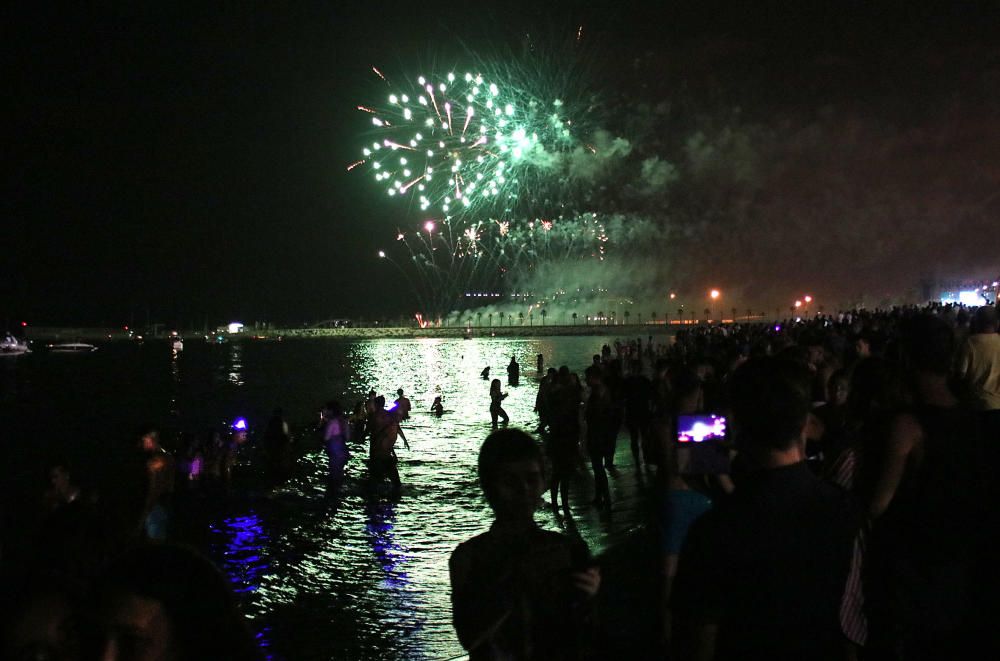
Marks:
<point>189,163</point>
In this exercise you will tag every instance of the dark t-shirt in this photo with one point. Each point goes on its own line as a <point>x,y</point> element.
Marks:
<point>768,566</point>
<point>638,391</point>
<point>530,573</point>
<point>924,553</point>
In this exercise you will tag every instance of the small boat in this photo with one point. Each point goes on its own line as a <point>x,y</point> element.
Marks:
<point>10,346</point>
<point>71,347</point>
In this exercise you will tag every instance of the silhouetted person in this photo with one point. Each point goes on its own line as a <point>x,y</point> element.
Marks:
<point>520,592</point>
<point>600,422</point>
<point>160,471</point>
<point>496,398</point>
<point>513,372</point>
<point>762,574</point>
<point>638,392</point>
<point>168,603</point>
<point>278,447</point>
<point>336,432</point>
<point>978,364</point>
<point>382,461</point>
<point>402,405</point>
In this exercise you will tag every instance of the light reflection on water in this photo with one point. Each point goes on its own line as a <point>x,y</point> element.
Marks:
<point>354,577</point>
<point>323,576</point>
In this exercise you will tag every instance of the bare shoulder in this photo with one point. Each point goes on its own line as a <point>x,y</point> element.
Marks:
<point>905,434</point>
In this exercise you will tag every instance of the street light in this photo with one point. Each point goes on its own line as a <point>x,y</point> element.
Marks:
<point>714,295</point>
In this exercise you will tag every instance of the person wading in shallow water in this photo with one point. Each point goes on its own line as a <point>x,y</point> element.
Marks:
<point>513,371</point>
<point>517,591</point>
<point>382,461</point>
<point>496,410</point>
<point>403,405</point>
<point>336,434</point>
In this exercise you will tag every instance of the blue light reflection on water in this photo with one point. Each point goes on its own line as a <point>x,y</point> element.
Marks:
<point>390,555</point>
<point>319,576</point>
<point>241,542</point>
<point>353,577</point>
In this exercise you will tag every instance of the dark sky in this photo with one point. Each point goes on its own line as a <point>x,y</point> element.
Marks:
<point>189,161</point>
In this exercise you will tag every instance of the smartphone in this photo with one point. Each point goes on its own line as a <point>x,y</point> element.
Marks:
<point>701,446</point>
<point>702,428</point>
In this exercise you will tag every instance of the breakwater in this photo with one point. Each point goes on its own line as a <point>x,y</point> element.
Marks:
<point>85,334</point>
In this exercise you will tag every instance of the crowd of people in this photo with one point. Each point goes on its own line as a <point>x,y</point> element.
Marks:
<point>850,516</point>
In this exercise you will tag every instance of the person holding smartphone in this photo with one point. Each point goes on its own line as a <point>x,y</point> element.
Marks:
<point>520,592</point>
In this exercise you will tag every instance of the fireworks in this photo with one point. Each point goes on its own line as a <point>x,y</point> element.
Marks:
<point>462,143</point>
<point>450,257</point>
<point>482,157</point>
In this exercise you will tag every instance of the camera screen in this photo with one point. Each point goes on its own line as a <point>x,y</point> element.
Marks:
<point>700,428</point>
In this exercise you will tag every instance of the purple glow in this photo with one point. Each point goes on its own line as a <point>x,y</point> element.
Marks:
<point>700,428</point>
<point>240,424</point>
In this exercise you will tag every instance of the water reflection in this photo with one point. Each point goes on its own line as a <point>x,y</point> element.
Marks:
<point>334,575</point>
<point>175,384</point>
<point>389,554</point>
<point>242,544</point>
<point>244,550</point>
<point>236,363</point>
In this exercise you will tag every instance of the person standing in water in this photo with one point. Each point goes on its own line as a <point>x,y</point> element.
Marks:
<point>336,434</point>
<point>382,461</point>
<point>437,408</point>
<point>402,405</point>
<point>513,371</point>
<point>496,410</point>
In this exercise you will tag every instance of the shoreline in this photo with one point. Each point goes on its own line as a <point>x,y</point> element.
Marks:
<point>61,334</point>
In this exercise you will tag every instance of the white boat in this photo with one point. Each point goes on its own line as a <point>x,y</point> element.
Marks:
<point>10,346</point>
<point>71,347</point>
<point>177,344</point>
